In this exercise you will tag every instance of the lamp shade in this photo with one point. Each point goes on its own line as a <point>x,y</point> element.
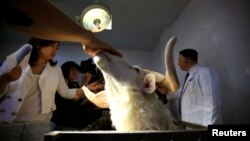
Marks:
<point>95,18</point>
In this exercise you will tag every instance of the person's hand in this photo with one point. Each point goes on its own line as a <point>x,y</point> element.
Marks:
<point>12,75</point>
<point>162,90</point>
<point>87,76</point>
<point>9,76</point>
<point>96,46</point>
<point>79,94</point>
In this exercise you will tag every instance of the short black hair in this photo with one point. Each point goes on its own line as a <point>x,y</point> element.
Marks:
<point>67,66</point>
<point>191,53</point>
<point>89,66</point>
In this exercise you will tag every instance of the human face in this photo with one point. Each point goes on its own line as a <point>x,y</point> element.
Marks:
<point>73,74</point>
<point>183,63</point>
<point>48,52</point>
<point>96,86</point>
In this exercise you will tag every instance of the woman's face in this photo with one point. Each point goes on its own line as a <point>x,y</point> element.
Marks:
<point>49,52</point>
<point>73,74</point>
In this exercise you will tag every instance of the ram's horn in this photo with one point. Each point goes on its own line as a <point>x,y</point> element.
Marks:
<point>169,80</point>
<point>98,99</point>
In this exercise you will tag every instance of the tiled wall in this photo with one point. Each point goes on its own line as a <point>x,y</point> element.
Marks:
<point>220,31</point>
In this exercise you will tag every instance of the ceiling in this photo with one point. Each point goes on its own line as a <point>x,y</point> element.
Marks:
<point>136,24</point>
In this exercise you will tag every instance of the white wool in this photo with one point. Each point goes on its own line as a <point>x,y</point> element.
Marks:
<point>133,110</point>
<point>131,107</point>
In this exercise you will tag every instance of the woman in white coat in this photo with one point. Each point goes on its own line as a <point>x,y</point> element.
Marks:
<point>27,103</point>
<point>200,101</point>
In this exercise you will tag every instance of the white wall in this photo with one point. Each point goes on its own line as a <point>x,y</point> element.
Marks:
<point>220,31</point>
<point>65,53</point>
<point>74,52</point>
<point>139,58</point>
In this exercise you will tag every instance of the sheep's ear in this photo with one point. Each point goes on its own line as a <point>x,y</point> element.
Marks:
<point>149,83</point>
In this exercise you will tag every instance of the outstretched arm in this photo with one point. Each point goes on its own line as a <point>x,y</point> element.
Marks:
<point>39,18</point>
<point>46,21</point>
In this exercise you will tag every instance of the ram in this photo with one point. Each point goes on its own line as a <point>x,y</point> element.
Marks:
<point>130,92</point>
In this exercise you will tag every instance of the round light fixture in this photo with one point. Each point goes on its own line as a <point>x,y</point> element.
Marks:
<point>95,18</point>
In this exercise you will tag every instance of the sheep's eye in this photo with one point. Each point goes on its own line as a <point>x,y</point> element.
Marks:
<point>138,71</point>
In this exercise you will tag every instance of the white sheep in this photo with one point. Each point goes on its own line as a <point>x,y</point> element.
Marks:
<point>130,93</point>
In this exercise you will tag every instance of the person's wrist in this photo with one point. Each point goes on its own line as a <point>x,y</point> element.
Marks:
<point>89,47</point>
<point>79,93</point>
<point>90,39</point>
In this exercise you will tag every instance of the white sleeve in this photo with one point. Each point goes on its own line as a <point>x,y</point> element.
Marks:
<point>18,57</point>
<point>63,88</point>
<point>206,86</point>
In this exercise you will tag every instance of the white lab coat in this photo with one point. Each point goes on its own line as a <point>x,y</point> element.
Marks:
<point>50,81</point>
<point>201,97</point>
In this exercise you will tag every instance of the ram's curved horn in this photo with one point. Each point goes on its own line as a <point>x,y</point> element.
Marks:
<point>98,99</point>
<point>169,80</point>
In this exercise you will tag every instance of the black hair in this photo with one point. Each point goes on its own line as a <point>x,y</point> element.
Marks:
<point>67,66</point>
<point>190,53</point>
<point>36,42</point>
<point>89,66</point>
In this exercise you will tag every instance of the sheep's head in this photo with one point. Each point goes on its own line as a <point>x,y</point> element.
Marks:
<point>118,73</point>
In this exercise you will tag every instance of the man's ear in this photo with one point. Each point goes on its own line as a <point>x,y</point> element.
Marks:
<point>149,83</point>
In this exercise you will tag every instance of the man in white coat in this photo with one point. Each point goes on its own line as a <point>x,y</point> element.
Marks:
<point>200,101</point>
